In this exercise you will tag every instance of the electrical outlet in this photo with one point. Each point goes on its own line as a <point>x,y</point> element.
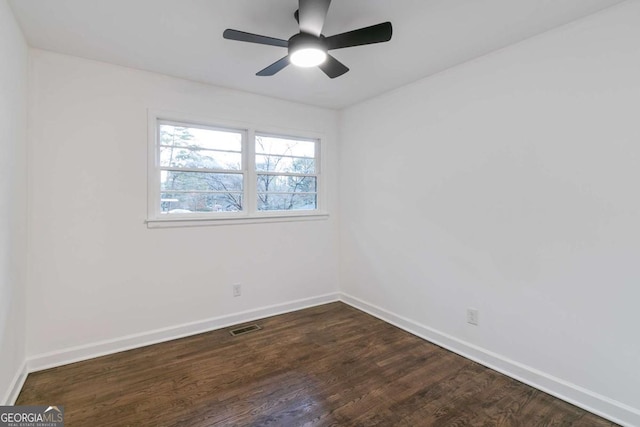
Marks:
<point>237,290</point>
<point>472,316</point>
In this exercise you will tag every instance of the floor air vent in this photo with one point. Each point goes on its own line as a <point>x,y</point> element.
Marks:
<point>244,330</point>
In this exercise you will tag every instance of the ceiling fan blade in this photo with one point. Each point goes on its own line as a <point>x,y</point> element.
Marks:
<point>311,15</point>
<point>368,35</point>
<point>274,68</point>
<point>253,38</point>
<point>333,68</point>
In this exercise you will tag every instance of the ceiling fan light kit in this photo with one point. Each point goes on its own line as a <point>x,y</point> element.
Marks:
<point>306,50</point>
<point>310,48</point>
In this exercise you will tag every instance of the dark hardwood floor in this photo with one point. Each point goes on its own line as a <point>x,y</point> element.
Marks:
<point>330,365</point>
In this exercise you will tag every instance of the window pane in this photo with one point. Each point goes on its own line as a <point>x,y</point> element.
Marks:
<point>194,159</point>
<point>284,147</point>
<point>182,136</point>
<point>286,202</point>
<point>285,164</point>
<point>181,203</point>
<point>287,184</point>
<point>200,181</point>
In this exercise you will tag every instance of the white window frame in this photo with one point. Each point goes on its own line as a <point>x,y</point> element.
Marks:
<point>250,214</point>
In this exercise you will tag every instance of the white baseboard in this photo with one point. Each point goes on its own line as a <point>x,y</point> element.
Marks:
<point>76,354</point>
<point>593,402</point>
<point>16,385</point>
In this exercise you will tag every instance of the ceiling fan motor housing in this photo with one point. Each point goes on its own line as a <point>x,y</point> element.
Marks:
<point>306,41</point>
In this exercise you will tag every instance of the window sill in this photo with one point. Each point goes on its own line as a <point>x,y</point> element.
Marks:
<point>204,222</point>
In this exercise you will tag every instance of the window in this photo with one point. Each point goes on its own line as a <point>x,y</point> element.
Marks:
<point>286,173</point>
<point>204,172</point>
<point>200,169</point>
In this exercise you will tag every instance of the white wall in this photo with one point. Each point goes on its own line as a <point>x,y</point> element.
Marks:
<point>510,184</point>
<point>96,272</point>
<point>13,183</point>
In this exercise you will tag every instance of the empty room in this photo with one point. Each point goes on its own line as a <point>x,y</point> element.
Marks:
<point>319,213</point>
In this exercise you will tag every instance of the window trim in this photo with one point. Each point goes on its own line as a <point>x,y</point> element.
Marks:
<point>250,214</point>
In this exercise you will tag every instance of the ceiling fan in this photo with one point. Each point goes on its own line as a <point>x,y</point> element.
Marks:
<point>309,48</point>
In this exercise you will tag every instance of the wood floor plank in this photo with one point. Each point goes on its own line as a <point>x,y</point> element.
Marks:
<point>330,365</point>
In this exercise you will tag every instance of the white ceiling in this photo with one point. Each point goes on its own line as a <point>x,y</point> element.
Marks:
<point>183,38</point>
